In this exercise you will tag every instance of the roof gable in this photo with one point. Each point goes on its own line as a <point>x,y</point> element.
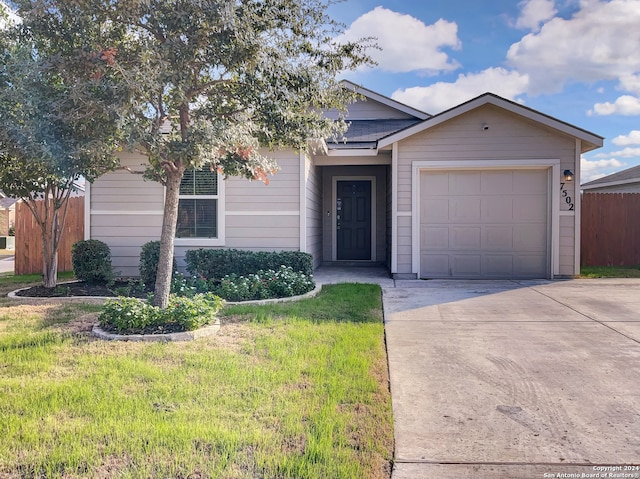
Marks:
<point>371,96</point>
<point>590,140</point>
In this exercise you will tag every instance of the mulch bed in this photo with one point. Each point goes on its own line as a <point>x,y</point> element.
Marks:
<point>78,288</point>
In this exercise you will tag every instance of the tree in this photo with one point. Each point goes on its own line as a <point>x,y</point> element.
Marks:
<point>212,82</point>
<point>58,123</point>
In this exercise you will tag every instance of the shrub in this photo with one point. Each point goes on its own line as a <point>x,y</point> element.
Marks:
<point>149,257</point>
<point>91,261</point>
<point>280,283</point>
<point>132,316</point>
<point>217,263</point>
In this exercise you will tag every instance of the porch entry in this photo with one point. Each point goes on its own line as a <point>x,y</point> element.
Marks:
<point>353,220</point>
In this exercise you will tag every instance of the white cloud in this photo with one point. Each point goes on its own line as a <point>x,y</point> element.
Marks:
<point>406,43</point>
<point>440,96</point>
<point>624,105</point>
<point>626,153</point>
<point>630,83</point>
<point>534,13</point>
<point>633,138</point>
<point>592,170</point>
<point>600,42</point>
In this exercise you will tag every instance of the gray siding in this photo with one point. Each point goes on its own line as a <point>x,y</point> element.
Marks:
<point>509,137</point>
<point>314,211</point>
<point>126,212</point>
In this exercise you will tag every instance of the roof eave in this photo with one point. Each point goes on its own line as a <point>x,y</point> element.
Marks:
<point>590,141</point>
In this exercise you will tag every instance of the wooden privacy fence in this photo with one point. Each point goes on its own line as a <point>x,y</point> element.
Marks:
<point>28,259</point>
<point>610,232</point>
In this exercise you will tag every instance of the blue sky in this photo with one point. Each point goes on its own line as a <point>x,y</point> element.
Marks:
<point>576,60</point>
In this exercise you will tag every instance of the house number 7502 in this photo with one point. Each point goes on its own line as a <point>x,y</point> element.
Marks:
<point>566,197</point>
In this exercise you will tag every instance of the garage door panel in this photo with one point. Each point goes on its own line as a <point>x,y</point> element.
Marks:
<point>465,238</point>
<point>466,265</point>
<point>499,180</point>
<point>434,238</point>
<point>435,210</point>
<point>526,266</point>
<point>438,264</point>
<point>530,208</point>
<point>530,181</point>
<point>529,238</point>
<point>464,183</point>
<point>437,183</point>
<point>497,265</point>
<point>497,238</point>
<point>495,226</point>
<point>464,210</point>
<point>496,210</point>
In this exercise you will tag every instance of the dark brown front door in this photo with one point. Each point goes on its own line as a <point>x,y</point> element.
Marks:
<point>353,220</point>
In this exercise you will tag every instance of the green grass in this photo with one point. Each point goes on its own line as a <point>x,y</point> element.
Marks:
<point>296,390</point>
<point>10,278</point>
<point>610,272</point>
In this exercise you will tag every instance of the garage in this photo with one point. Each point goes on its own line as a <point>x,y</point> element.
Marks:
<point>491,223</point>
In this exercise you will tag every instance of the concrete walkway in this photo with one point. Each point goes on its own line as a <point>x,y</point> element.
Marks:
<point>512,380</point>
<point>6,264</point>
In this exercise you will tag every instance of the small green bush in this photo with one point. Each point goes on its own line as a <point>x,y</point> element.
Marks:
<point>132,316</point>
<point>215,264</point>
<point>149,257</point>
<point>281,283</point>
<point>91,260</point>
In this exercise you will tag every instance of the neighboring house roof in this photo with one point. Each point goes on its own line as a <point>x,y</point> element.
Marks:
<point>624,177</point>
<point>6,203</point>
<point>590,141</point>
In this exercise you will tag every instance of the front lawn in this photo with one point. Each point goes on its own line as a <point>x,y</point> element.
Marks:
<point>297,390</point>
<point>610,272</point>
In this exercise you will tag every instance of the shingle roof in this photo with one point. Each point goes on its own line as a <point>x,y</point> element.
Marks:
<point>7,202</point>
<point>624,175</point>
<point>366,133</point>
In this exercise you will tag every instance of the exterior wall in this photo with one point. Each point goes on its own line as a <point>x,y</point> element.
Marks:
<point>328,174</point>
<point>126,212</point>
<point>313,195</point>
<point>4,222</point>
<point>508,138</point>
<point>388,213</point>
<point>628,188</point>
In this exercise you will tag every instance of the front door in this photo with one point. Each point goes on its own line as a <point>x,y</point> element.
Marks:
<point>353,220</point>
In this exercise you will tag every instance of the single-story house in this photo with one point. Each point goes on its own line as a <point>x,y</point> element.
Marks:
<point>625,181</point>
<point>477,191</point>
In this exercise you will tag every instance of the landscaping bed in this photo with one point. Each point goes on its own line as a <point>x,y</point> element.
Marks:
<point>82,288</point>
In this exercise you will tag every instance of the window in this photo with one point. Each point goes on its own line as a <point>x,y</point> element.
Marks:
<point>198,205</point>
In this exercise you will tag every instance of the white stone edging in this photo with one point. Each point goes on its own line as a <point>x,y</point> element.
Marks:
<point>205,332</point>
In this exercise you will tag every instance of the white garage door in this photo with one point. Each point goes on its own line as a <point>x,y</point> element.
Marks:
<point>484,224</point>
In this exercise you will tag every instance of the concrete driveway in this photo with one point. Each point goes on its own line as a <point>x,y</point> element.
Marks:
<point>502,379</point>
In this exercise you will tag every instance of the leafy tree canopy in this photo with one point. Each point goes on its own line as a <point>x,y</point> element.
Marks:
<point>210,81</point>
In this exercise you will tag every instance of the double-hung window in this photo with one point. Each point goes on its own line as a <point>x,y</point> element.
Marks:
<point>199,208</point>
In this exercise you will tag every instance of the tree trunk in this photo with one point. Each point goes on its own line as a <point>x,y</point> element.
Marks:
<point>169,220</point>
<point>49,228</point>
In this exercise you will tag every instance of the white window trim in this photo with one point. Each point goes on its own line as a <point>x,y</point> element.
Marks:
<point>220,215</point>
